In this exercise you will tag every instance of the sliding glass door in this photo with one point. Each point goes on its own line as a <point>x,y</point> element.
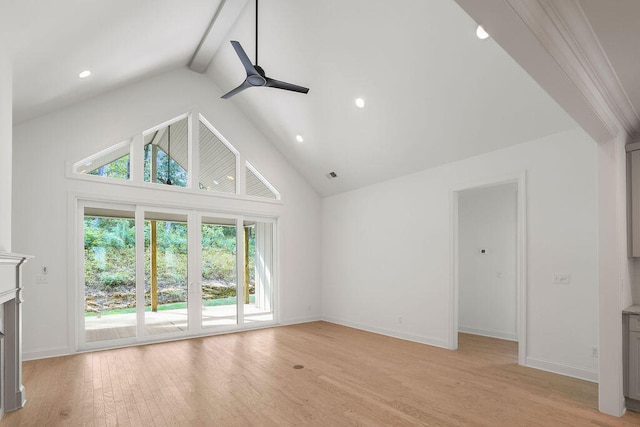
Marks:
<point>109,285</point>
<point>260,255</point>
<point>165,273</point>
<point>151,273</point>
<point>219,272</point>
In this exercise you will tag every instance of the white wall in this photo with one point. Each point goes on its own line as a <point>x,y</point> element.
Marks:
<point>487,281</point>
<point>386,250</point>
<point>43,195</point>
<point>614,270</point>
<point>6,129</point>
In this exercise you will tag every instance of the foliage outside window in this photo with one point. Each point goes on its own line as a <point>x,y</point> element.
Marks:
<point>165,172</point>
<point>172,263</point>
<point>109,265</point>
<point>166,154</point>
<point>119,168</point>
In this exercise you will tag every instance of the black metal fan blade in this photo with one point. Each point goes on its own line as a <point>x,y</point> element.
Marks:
<point>256,77</point>
<point>286,86</point>
<point>246,62</point>
<point>237,90</point>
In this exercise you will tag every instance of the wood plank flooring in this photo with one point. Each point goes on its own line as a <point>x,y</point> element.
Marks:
<point>350,377</point>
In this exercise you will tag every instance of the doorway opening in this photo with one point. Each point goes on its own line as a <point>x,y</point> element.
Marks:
<point>489,289</point>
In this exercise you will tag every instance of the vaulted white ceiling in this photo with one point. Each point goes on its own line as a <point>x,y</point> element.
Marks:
<point>434,92</point>
<point>121,41</point>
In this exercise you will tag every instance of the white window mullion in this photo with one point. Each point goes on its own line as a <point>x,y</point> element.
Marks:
<point>275,274</point>
<point>81,334</point>
<point>139,272</point>
<point>194,150</point>
<point>136,159</point>
<point>194,302</point>
<point>240,269</point>
<point>241,175</point>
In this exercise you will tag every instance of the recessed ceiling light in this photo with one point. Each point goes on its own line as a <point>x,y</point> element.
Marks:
<point>360,102</point>
<point>84,74</point>
<point>229,177</point>
<point>216,182</point>
<point>299,138</point>
<point>481,33</point>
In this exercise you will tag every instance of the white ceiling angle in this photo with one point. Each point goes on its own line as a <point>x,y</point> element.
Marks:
<point>434,92</point>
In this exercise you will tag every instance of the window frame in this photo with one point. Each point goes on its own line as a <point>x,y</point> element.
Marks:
<point>136,158</point>
<point>195,217</point>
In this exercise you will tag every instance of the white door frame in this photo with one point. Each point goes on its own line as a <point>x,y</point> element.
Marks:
<point>194,215</point>
<point>521,259</point>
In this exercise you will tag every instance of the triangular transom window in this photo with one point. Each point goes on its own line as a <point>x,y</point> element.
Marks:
<point>165,158</point>
<point>217,162</point>
<point>110,163</point>
<point>257,185</point>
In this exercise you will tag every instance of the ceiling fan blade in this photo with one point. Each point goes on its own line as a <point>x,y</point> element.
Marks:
<point>284,85</point>
<point>246,62</point>
<point>237,90</point>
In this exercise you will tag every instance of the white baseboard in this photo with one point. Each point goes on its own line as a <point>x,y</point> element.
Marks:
<point>436,342</point>
<point>486,333</point>
<point>64,351</point>
<point>297,320</point>
<point>563,369</point>
<point>45,353</point>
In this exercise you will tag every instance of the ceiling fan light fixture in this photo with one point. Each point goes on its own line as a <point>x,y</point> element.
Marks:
<point>481,33</point>
<point>84,74</point>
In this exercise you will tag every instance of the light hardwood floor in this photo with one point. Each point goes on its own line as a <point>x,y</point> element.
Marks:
<point>350,377</point>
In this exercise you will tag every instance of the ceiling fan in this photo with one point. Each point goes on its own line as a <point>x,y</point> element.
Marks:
<point>256,76</point>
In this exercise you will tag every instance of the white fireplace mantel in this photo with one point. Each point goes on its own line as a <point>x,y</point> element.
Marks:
<point>12,395</point>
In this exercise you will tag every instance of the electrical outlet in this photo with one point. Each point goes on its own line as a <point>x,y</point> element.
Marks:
<point>594,351</point>
<point>561,279</point>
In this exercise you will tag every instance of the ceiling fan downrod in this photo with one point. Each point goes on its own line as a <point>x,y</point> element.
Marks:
<point>256,33</point>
